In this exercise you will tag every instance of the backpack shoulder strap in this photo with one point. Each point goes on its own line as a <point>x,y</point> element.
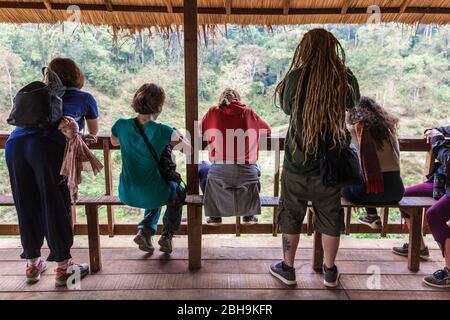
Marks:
<point>146,140</point>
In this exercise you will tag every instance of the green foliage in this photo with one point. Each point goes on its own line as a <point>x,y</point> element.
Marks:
<point>406,69</point>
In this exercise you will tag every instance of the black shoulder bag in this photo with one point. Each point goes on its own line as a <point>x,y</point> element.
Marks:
<point>38,105</point>
<point>339,166</point>
<point>166,166</point>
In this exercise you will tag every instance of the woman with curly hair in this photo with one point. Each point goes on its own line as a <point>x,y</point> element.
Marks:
<point>375,136</point>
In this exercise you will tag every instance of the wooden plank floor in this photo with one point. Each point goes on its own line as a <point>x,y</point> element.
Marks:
<point>233,268</point>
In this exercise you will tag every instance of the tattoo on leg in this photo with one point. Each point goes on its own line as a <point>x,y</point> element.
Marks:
<point>286,244</point>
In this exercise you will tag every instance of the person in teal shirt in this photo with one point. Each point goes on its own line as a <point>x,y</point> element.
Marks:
<point>141,184</point>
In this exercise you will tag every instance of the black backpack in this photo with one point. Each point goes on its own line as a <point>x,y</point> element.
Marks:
<point>339,166</point>
<point>38,105</point>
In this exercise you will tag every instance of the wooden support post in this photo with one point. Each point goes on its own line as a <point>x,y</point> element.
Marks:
<point>108,186</point>
<point>384,221</point>
<point>415,233</point>
<point>191,115</point>
<point>424,223</point>
<point>93,237</point>
<point>309,221</point>
<point>317,262</point>
<point>348,220</point>
<point>194,236</point>
<point>276,190</point>
<point>429,163</point>
<point>73,209</point>
<point>238,226</point>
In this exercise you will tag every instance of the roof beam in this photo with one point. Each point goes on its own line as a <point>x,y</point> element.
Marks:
<point>404,6</point>
<point>108,5</point>
<point>169,6</point>
<point>221,10</point>
<point>228,7</point>
<point>48,5</point>
<point>344,8</point>
<point>286,6</point>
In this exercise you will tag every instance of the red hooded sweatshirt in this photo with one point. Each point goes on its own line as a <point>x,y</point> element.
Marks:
<point>232,133</point>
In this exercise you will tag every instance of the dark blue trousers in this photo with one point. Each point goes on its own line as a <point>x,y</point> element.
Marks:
<point>41,196</point>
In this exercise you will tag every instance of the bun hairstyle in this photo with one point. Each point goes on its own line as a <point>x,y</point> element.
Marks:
<point>227,96</point>
<point>149,99</point>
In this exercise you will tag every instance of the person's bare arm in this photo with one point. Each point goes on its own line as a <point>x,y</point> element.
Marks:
<point>92,126</point>
<point>115,141</point>
<point>180,142</point>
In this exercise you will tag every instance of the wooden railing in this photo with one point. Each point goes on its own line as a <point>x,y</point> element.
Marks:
<point>276,145</point>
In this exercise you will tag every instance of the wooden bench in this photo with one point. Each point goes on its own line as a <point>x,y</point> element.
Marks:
<point>194,228</point>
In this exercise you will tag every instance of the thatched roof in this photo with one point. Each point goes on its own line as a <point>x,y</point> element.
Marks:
<point>146,13</point>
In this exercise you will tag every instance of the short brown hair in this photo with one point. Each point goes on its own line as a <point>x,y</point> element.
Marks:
<point>149,99</point>
<point>68,71</point>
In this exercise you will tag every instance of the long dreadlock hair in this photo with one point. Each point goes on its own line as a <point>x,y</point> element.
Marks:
<point>321,61</point>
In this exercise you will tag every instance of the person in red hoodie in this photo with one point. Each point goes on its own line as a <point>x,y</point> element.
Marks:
<point>230,184</point>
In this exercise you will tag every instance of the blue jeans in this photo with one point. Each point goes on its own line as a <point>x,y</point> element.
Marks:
<point>172,216</point>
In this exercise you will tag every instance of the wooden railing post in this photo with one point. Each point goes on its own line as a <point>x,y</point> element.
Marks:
<point>108,185</point>
<point>191,116</point>
<point>276,187</point>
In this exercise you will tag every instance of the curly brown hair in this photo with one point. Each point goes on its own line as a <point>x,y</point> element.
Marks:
<point>371,115</point>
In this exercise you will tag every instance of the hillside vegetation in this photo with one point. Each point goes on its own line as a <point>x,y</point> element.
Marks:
<point>404,68</point>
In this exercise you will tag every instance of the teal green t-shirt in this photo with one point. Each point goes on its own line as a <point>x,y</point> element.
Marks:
<point>141,184</point>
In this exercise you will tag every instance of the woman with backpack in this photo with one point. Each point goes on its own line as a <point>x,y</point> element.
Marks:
<point>374,132</point>
<point>232,131</point>
<point>34,157</point>
<point>143,141</point>
<point>316,92</point>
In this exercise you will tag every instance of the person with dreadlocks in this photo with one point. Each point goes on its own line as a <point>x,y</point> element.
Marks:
<point>316,92</point>
<point>375,135</point>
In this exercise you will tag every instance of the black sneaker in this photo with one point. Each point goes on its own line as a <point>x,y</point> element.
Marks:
<point>250,219</point>
<point>373,222</point>
<point>403,251</point>
<point>439,279</point>
<point>214,220</point>
<point>330,276</point>
<point>283,272</point>
<point>144,241</point>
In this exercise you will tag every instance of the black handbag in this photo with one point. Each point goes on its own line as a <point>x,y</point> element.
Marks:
<point>38,105</point>
<point>339,166</point>
<point>166,166</point>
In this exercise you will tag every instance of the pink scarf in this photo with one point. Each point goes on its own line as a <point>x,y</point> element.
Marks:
<point>77,156</point>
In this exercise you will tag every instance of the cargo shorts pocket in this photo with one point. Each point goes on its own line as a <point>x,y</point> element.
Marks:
<point>290,220</point>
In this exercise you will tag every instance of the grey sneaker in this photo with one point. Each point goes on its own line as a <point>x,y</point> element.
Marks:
<point>212,220</point>
<point>403,251</point>
<point>439,279</point>
<point>63,275</point>
<point>166,243</point>
<point>144,241</point>
<point>284,273</point>
<point>373,222</point>
<point>330,276</point>
<point>34,271</point>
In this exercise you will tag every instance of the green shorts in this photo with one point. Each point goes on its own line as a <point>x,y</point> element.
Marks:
<point>296,192</point>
